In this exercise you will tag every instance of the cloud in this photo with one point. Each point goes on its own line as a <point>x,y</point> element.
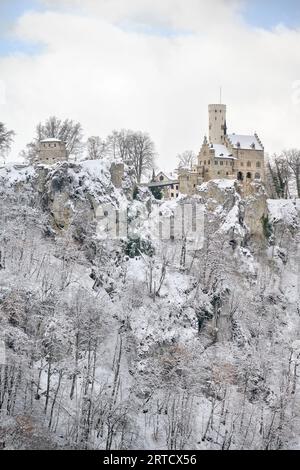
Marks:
<point>99,66</point>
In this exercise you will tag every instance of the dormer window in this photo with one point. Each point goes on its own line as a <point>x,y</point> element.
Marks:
<point>238,144</point>
<point>253,145</point>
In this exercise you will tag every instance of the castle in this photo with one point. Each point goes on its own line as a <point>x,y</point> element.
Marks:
<point>52,150</point>
<point>222,155</point>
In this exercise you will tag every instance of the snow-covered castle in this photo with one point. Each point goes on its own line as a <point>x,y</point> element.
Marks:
<point>223,155</point>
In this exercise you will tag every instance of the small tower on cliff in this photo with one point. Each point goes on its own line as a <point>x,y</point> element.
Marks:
<point>52,150</point>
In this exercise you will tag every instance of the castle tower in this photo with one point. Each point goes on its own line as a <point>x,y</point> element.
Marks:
<point>52,151</point>
<point>217,123</point>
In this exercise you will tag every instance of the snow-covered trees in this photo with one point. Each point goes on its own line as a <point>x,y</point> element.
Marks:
<point>283,169</point>
<point>142,342</point>
<point>6,139</point>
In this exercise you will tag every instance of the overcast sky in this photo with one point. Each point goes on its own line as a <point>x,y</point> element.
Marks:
<point>152,65</point>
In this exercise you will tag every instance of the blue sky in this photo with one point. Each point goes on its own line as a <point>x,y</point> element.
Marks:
<point>257,13</point>
<point>10,11</point>
<point>269,13</point>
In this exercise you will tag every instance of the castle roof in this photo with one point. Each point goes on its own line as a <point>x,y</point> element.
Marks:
<point>50,139</point>
<point>222,152</point>
<point>245,142</point>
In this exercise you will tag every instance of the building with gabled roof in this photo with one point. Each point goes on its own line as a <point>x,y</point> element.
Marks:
<point>223,155</point>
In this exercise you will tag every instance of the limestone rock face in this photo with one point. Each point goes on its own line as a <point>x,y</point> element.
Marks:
<point>241,209</point>
<point>216,193</point>
<point>256,210</point>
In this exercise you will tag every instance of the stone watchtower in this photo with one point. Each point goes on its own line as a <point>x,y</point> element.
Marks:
<point>217,123</point>
<point>51,151</point>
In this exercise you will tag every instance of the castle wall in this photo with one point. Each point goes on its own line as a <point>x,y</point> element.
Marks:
<point>52,152</point>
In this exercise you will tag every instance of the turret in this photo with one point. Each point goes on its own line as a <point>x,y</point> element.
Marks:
<point>217,123</point>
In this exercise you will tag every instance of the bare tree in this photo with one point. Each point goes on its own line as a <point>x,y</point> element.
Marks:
<point>186,159</point>
<point>293,159</point>
<point>97,148</point>
<point>118,144</point>
<point>135,148</point>
<point>279,173</point>
<point>6,139</point>
<point>68,131</point>
<point>142,153</point>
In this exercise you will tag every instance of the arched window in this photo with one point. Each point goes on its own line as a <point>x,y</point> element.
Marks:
<point>161,178</point>
<point>249,176</point>
<point>240,176</point>
<point>248,164</point>
<point>257,176</point>
<point>258,164</point>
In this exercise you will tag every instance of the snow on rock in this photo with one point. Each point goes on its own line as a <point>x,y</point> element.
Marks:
<point>222,184</point>
<point>13,174</point>
<point>283,210</point>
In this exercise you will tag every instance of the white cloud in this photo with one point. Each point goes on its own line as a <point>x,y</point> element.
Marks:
<point>107,77</point>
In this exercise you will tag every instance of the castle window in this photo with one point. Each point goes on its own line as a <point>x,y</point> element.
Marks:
<point>242,163</point>
<point>218,172</point>
<point>248,164</point>
<point>249,176</point>
<point>204,162</point>
<point>226,163</point>
<point>216,163</point>
<point>161,178</point>
<point>227,173</point>
<point>208,162</point>
<point>258,164</point>
<point>221,163</point>
<point>172,186</point>
<point>200,162</point>
<point>257,176</point>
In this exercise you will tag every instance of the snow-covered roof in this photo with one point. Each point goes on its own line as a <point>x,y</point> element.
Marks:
<point>169,176</point>
<point>50,139</point>
<point>222,152</point>
<point>245,142</point>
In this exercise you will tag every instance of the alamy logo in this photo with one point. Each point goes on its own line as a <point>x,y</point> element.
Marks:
<point>2,352</point>
<point>184,221</point>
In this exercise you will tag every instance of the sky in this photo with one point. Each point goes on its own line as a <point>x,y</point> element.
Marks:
<point>152,65</point>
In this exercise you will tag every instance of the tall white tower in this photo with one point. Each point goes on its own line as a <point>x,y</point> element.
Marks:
<point>217,123</point>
